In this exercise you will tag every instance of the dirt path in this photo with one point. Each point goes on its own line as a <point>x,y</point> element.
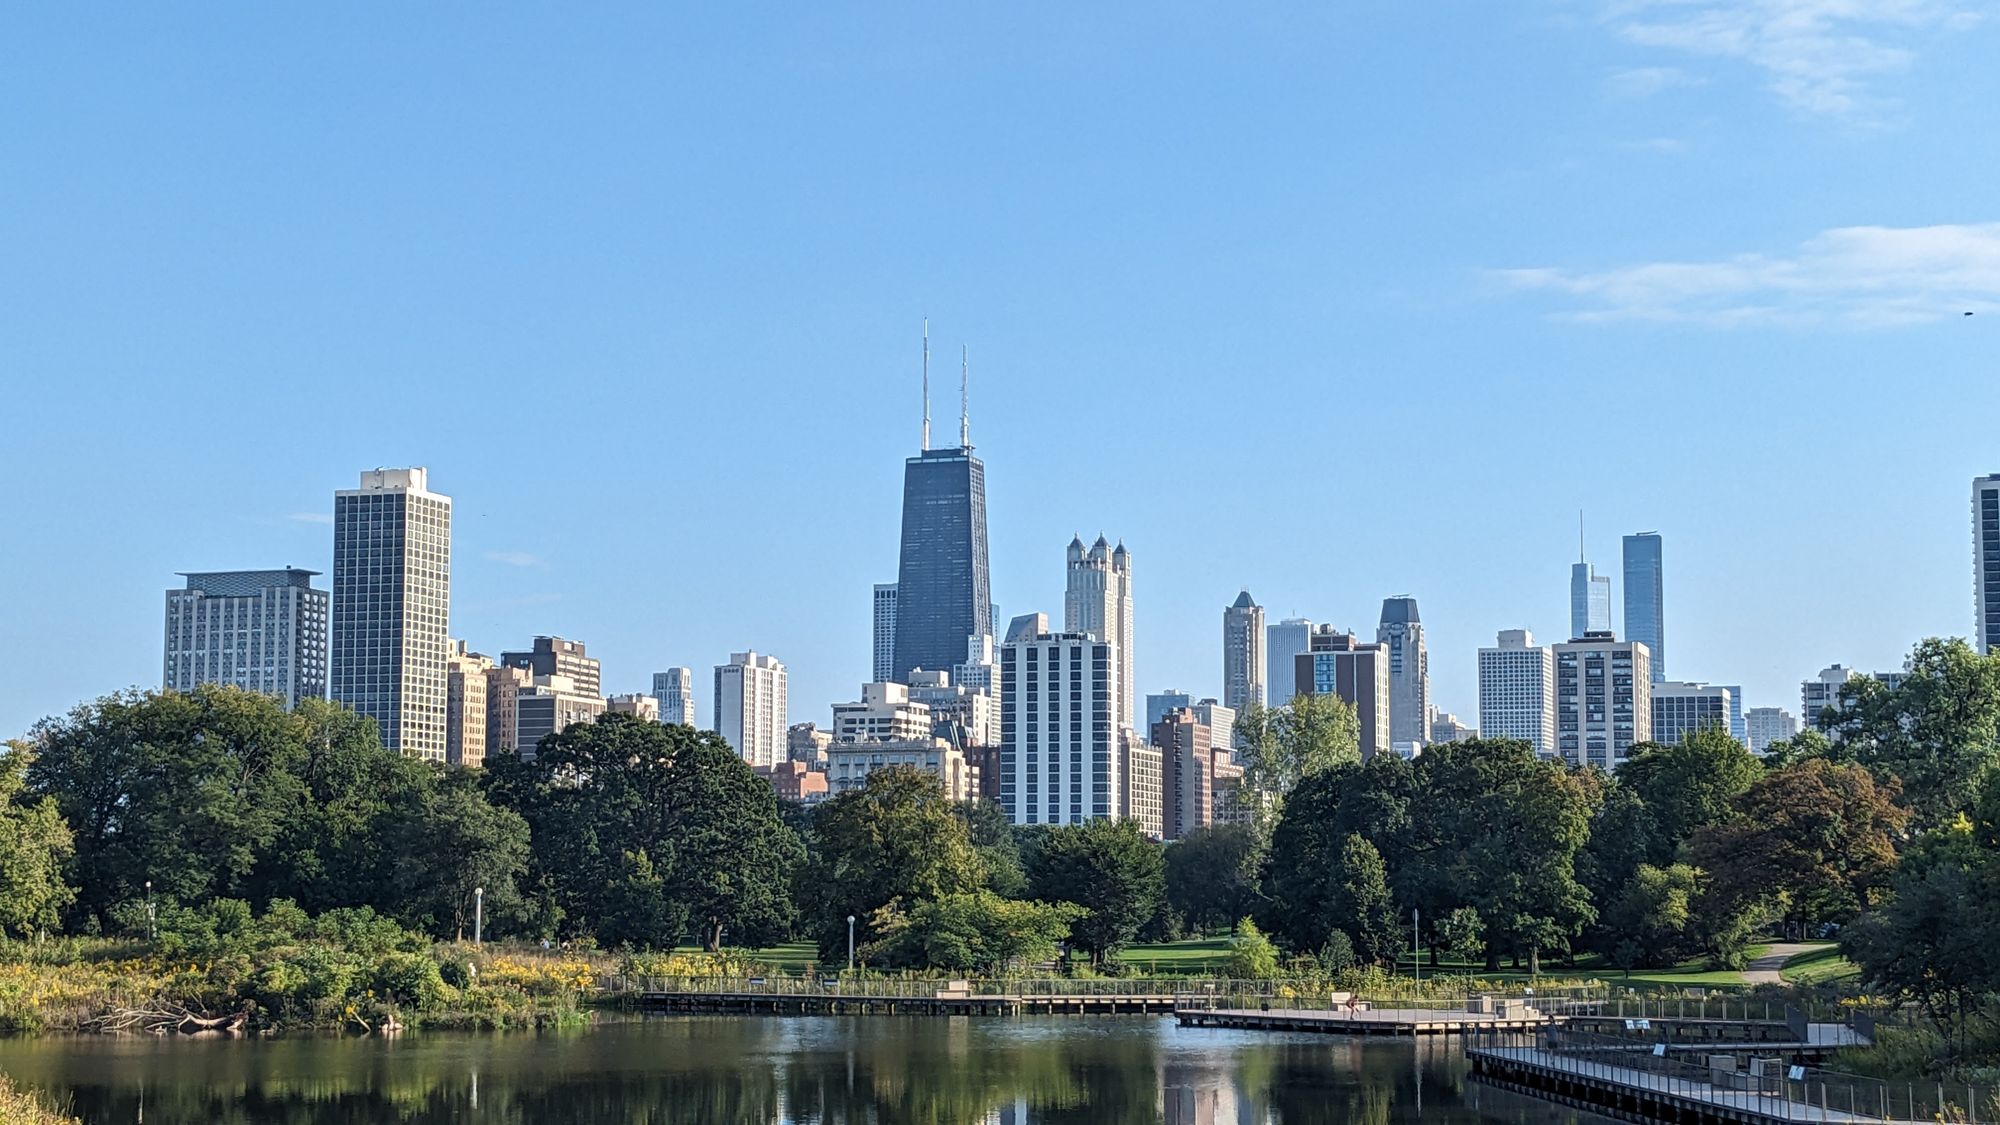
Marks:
<point>1764,969</point>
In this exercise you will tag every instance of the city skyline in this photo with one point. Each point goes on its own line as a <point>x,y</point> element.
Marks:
<point>1113,217</point>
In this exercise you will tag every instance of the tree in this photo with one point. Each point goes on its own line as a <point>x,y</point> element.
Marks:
<point>1211,874</point>
<point>1689,785</point>
<point>1649,924</point>
<point>979,932</point>
<point>1463,932</point>
<point>1280,746</point>
<point>1299,898</point>
<point>450,844</point>
<point>1821,836</point>
<point>895,839</point>
<point>992,836</point>
<point>1499,829</point>
<point>638,828</point>
<point>1109,869</point>
<point>1361,898</point>
<point>34,845</point>
<point>1936,732</point>
<point>1251,954</point>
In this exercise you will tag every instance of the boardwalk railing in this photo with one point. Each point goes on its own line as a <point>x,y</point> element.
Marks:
<point>1767,1088</point>
<point>1216,993</point>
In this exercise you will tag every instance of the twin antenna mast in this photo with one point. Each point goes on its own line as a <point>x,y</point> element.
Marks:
<point>964,400</point>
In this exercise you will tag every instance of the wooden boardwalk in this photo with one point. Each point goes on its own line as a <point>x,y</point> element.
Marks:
<point>836,1003</point>
<point>1635,1094</point>
<point>1360,1021</point>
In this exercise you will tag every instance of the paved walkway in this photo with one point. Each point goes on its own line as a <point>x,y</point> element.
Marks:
<point>1764,970</point>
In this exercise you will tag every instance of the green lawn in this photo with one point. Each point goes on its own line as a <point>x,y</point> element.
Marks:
<point>1824,965</point>
<point>1688,974</point>
<point>1202,955</point>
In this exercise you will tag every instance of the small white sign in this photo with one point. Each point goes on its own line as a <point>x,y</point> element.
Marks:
<point>1798,1074</point>
<point>1660,1049</point>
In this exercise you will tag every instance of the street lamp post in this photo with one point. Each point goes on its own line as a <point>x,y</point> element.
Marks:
<point>478,914</point>
<point>152,918</point>
<point>850,943</point>
<point>1417,943</point>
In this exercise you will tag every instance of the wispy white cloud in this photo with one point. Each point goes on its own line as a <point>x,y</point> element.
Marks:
<point>514,558</point>
<point>1817,56</point>
<point>1862,277</point>
<point>1666,146</point>
<point>1645,81</point>
<point>311,517</point>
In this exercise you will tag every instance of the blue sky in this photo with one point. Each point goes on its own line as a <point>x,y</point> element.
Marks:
<point>1332,301</point>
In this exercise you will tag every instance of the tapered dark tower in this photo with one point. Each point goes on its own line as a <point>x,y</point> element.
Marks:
<point>943,595</point>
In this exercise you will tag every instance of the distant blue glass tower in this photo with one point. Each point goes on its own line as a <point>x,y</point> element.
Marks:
<point>943,593</point>
<point>1589,601</point>
<point>1645,620</point>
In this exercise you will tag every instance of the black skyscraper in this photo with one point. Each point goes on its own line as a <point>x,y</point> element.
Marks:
<point>942,592</point>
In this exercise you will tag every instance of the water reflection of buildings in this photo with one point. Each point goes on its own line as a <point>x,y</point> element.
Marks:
<point>1195,1093</point>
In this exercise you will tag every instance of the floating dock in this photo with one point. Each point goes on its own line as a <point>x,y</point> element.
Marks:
<point>1363,1021</point>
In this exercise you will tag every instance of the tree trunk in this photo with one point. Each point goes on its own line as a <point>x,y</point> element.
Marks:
<point>712,941</point>
<point>1492,960</point>
<point>1534,960</point>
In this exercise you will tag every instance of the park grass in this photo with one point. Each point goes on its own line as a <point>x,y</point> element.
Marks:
<point>1824,965</point>
<point>1687,974</point>
<point>1203,956</point>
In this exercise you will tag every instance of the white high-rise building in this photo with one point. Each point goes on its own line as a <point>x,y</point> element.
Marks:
<point>1986,561</point>
<point>1401,631</point>
<point>1604,701</point>
<point>1768,725</point>
<point>981,670</point>
<point>264,630</point>
<point>1283,643</point>
<point>392,607</point>
<point>674,688</point>
<point>885,631</point>
<point>1243,674</point>
<point>1517,691</point>
<point>1061,759</point>
<point>884,711</point>
<point>750,707</point>
<point>1099,603</point>
<point>1681,708</point>
<point>1822,692</point>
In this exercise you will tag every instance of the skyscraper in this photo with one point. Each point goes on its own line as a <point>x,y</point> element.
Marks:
<point>943,592</point>
<point>1402,633</point>
<point>674,688</point>
<point>750,707</point>
<point>1283,643</point>
<point>554,656</point>
<point>1604,699</point>
<point>1099,602</point>
<point>466,688</point>
<point>1517,691</point>
<point>392,607</point>
<point>1061,759</point>
<point>1357,672</point>
<point>1768,725</point>
<point>1985,562</point>
<point>1243,673</point>
<point>264,630</point>
<point>1645,586</point>
<point>885,632</point>
<point>1589,601</point>
<point>1681,709</point>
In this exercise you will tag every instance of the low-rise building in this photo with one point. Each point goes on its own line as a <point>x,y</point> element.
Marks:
<point>848,764</point>
<point>795,782</point>
<point>644,706</point>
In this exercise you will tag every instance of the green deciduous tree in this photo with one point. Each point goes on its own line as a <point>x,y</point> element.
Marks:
<point>451,843</point>
<point>1649,924</point>
<point>1108,868</point>
<point>1211,874</point>
<point>1689,785</point>
<point>1280,746</point>
<point>639,828</point>
<point>1936,732</point>
<point>896,839</point>
<point>1361,899</point>
<point>979,932</point>
<point>34,845</point>
<point>1251,954</point>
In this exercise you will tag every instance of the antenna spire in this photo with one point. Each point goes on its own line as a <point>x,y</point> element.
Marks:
<point>1579,535</point>
<point>927,385</point>
<point>964,407</point>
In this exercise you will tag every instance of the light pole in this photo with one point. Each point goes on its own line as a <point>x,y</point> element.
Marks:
<point>850,943</point>
<point>1417,943</point>
<point>152,918</point>
<point>478,914</point>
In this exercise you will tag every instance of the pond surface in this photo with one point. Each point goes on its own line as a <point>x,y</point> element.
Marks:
<point>774,1071</point>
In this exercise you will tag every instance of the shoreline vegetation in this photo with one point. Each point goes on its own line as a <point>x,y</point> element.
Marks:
<point>211,862</point>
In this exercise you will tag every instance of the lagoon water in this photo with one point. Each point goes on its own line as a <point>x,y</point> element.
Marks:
<point>774,1071</point>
